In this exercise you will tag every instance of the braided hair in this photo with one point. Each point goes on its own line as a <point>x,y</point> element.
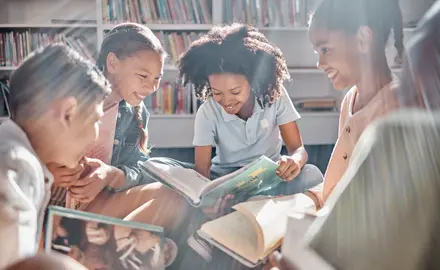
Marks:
<point>125,40</point>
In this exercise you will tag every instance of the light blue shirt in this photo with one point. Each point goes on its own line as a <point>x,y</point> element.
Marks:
<point>239,142</point>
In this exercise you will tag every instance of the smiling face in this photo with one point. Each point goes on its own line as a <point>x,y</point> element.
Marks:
<point>338,56</point>
<point>137,76</point>
<point>231,91</point>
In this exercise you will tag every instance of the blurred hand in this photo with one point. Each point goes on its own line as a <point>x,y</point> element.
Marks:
<point>63,176</point>
<point>221,208</point>
<point>90,185</point>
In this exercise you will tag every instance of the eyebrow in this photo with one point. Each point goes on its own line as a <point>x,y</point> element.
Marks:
<point>142,69</point>
<point>231,89</point>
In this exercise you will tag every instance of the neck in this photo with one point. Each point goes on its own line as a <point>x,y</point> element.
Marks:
<point>112,99</point>
<point>375,75</point>
<point>248,108</point>
<point>39,141</point>
<point>114,96</point>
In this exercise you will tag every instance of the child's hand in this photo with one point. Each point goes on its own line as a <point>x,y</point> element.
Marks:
<point>288,168</point>
<point>221,207</point>
<point>89,186</point>
<point>63,176</point>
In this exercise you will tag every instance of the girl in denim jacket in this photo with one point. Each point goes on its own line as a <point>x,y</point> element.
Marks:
<point>132,59</point>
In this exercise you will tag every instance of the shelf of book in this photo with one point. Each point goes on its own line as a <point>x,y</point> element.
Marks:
<point>169,27</point>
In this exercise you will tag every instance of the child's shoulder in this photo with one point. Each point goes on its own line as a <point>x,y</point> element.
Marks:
<point>210,109</point>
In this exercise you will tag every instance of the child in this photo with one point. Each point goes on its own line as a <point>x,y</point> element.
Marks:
<point>240,76</point>
<point>350,38</point>
<point>132,59</point>
<point>56,100</point>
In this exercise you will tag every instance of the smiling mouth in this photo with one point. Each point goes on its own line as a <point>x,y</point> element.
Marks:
<point>140,96</point>
<point>332,74</point>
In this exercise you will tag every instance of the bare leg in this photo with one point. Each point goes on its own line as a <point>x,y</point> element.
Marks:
<point>153,204</point>
<point>44,261</point>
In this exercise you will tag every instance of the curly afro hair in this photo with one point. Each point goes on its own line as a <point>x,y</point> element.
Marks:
<point>237,49</point>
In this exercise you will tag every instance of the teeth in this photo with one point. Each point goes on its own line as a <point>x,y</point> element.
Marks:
<point>332,74</point>
<point>230,107</point>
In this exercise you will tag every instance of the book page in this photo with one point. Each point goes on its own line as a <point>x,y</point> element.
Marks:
<point>236,232</point>
<point>271,216</point>
<point>188,181</point>
<point>251,179</point>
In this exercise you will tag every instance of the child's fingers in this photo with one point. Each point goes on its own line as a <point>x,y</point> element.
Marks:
<point>282,168</point>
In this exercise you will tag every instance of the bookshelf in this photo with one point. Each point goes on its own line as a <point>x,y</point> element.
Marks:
<point>87,22</point>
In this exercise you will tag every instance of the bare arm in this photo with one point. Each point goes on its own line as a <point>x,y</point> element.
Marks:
<point>292,139</point>
<point>202,158</point>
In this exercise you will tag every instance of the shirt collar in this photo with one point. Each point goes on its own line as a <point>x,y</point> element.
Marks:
<point>230,117</point>
<point>15,131</point>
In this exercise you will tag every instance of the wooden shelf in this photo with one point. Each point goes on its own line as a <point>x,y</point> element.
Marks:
<point>170,27</point>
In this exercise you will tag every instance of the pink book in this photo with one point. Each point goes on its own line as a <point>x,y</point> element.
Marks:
<point>102,149</point>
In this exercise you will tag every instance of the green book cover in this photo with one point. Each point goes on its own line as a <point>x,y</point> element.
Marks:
<point>248,181</point>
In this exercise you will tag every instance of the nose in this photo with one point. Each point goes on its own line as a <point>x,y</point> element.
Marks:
<point>321,64</point>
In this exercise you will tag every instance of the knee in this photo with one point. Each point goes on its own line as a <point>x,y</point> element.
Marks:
<point>172,199</point>
<point>311,175</point>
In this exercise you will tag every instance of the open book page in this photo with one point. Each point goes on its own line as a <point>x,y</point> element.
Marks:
<point>271,216</point>
<point>187,181</point>
<point>236,232</point>
<point>254,178</point>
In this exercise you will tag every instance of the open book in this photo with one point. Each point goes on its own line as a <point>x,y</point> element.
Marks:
<point>253,178</point>
<point>102,242</point>
<point>255,229</point>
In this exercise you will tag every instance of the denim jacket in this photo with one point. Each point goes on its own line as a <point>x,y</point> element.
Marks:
<point>126,153</point>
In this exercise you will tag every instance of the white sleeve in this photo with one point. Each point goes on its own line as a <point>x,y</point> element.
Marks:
<point>18,215</point>
<point>203,129</point>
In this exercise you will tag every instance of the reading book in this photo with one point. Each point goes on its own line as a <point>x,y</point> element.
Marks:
<point>255,229</point>
<point>253,178</point>
<point>100,242</point>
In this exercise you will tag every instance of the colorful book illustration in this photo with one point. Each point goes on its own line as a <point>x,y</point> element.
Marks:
<point>246,182</point>
<point>100,242</point>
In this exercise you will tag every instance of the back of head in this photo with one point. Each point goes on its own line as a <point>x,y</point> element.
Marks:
<point>381,16</point>
<point>237,49</point>
<point>420,84</point>
<point>125,40</point>
<point>51,73</point>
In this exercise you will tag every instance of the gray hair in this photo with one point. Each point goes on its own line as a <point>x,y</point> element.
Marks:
<point>53,72</point>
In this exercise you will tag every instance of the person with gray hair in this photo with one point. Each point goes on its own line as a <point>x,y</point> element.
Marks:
<point>56,100</point>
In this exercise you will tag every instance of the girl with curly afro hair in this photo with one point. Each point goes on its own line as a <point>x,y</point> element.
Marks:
<point>246,112</point>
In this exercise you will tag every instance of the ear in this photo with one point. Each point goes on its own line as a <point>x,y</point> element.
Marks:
<point>65,111</point>
<point>112,63</point>
<point>365,40</point>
